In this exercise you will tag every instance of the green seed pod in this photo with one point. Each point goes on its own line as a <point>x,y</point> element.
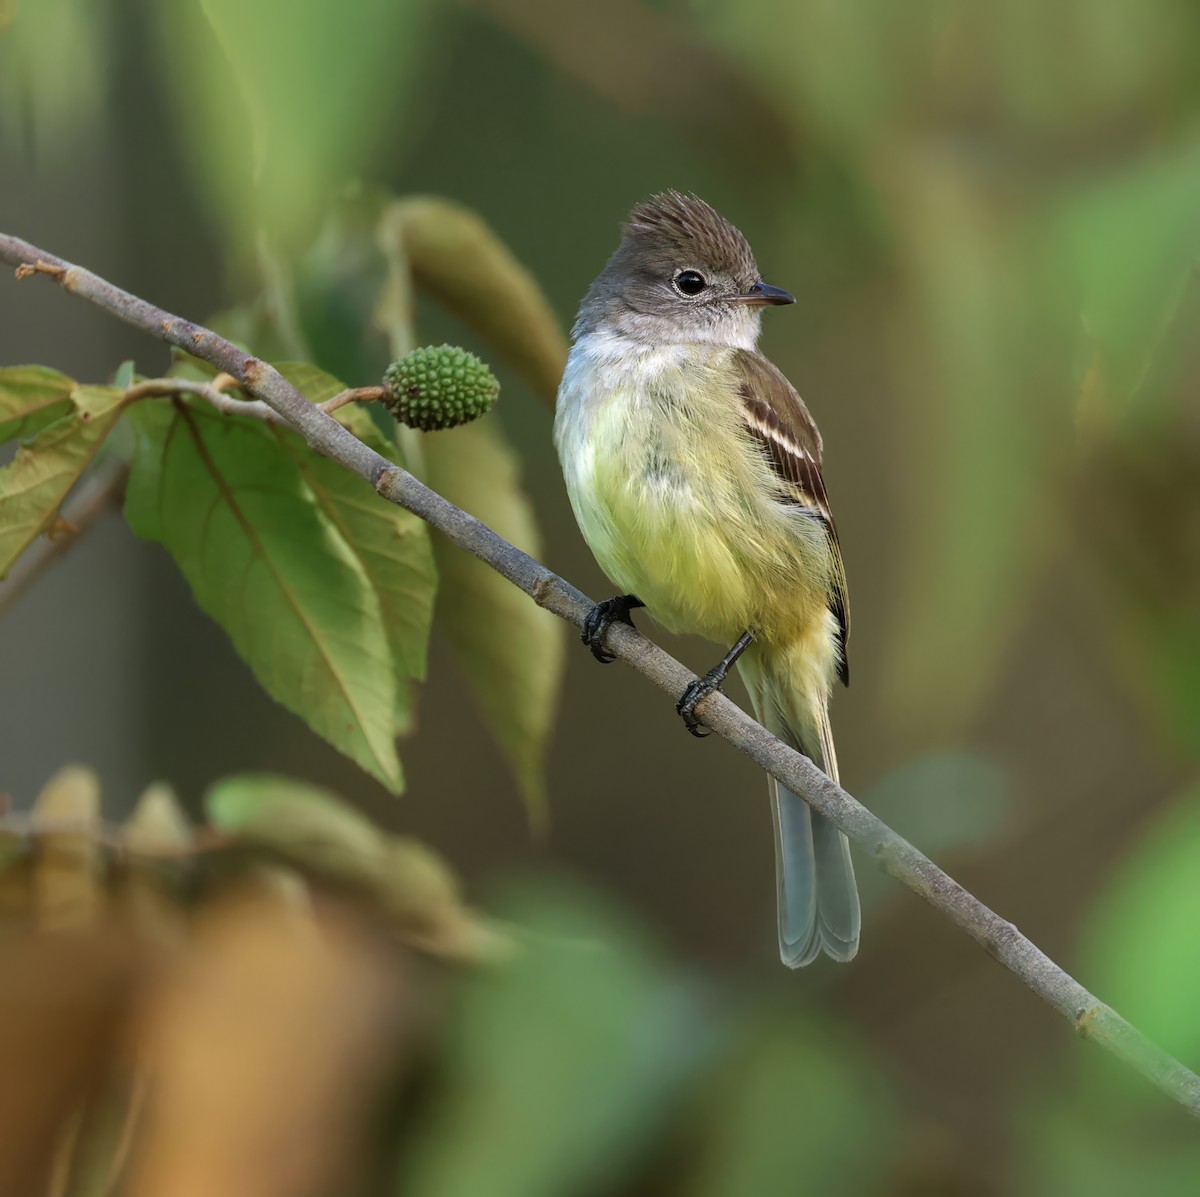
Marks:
<point>439,386</point>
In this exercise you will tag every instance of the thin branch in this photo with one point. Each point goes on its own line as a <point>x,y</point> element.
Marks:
<point>214,392</point>
<point>1090,1017</point>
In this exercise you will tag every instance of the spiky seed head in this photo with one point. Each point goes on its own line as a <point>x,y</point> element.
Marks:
<point>439,386</point>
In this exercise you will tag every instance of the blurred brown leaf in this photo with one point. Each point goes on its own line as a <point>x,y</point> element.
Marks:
<point>319,833</point>
<point>69,862</point>
<point>16,896</point>
<point>267,1046</point>
<point>157,839</point>
<point>63,1001</point>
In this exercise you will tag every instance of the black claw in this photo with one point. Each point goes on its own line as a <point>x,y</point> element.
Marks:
<point>598,620</point>
<point>696,692</point>
<point>710,683</point>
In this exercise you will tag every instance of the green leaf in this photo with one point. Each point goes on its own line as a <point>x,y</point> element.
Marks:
<point>392,545</point>
<point>32,397</point>
<point>512,650</point>
<point>125,374</point>
<point>34,484</point>
<point>294,101</point>
<point>225,497</point>
<point>556,1063</point>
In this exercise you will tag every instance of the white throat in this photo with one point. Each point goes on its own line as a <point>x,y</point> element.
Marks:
<point>633,335</point>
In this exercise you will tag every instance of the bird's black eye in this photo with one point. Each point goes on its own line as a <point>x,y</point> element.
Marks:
<point>690,282</point>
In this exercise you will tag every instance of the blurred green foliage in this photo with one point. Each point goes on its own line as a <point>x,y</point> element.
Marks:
<point>999,205</point>
<point>1039,172</point>
<point>55,64</point>
<point>1094,1128</point>
<point>274,144</point>
<point>1135,948</point>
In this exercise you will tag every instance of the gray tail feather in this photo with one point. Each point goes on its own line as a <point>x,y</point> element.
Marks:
<point>818,898</point>
<point>817,894</point>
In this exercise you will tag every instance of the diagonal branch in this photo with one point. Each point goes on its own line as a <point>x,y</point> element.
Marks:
<point>1090,1017</point>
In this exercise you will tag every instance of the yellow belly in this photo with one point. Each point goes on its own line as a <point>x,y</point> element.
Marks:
<point>679,508</point>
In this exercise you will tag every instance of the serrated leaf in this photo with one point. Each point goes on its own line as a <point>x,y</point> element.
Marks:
<point>31,397</point>
<point>226,499</point>
<point>512,650</point>
<point>34,484</point>
<point>392,545</point>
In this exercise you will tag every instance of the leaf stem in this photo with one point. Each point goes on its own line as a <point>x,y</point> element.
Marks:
<point>214,392</point>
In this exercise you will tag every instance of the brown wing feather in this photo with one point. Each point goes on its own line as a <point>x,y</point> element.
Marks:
<point>779,424</point>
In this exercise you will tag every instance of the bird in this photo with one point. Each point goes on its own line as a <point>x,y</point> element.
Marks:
<point>694,471</point>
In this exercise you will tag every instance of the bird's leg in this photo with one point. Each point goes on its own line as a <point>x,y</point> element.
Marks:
<point>711,682</point>
<point>598,620</point>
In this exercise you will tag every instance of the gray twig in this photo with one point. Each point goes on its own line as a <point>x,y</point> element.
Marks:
<point>1090,1017</point>
<point>214,393</point>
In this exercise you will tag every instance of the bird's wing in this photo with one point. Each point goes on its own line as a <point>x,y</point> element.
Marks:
<point>779,424</point>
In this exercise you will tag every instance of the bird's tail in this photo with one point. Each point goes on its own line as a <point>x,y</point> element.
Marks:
<point>817,895</point>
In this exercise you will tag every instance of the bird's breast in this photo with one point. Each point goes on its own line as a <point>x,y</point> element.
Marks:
<point>668,493</point>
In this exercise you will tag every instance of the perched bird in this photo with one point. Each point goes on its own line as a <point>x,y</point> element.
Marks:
<point>694,471</point>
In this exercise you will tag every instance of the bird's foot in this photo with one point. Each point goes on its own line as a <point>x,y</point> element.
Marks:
<point>696,692</point>
<point>601,617</point>
<point>710,683</point>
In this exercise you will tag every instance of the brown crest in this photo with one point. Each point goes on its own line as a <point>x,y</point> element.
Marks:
<point>686,222</point>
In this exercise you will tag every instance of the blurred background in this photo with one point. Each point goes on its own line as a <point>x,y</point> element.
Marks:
<point>990,216</point>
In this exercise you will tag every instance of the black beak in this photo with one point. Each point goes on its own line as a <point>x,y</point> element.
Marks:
<point>762,294</point>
